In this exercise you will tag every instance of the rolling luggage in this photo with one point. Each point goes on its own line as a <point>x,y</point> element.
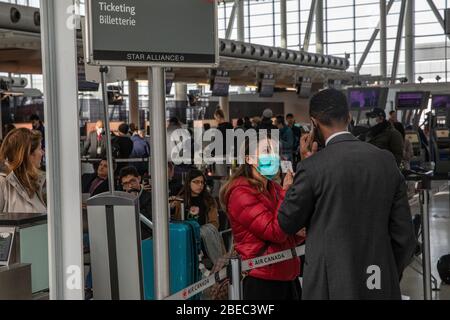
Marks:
<point>185,246</point>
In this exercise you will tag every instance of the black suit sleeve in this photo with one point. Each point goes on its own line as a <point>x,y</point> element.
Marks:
<point>401,228</point>
<point>397,146</point>
<point>298,206</point>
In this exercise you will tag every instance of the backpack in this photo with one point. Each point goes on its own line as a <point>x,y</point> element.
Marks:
<point>443,267</point>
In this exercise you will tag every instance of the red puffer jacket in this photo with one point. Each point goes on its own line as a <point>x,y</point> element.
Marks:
<point>253,217</point>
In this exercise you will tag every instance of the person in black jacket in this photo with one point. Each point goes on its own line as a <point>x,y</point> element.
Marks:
<point>267,122</point>
<point>96,183</point>
<point>131,183</point>
<point>122,146</point>
<point>351,197</point>
<point>122,143</point>
<point>222,126</point>
<point>383,135</point>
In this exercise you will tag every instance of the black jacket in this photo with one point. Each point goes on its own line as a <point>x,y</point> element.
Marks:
<point>223,127</point>
<point>88,179</point>
<point>386,137</point>
<point>122,147</point>
<point>266,124</point>
<point>352,199</point>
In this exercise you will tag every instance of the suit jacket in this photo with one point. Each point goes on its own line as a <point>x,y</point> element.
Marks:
<point>88,179</point>
<point>352,199</point>
<point>91,145</point>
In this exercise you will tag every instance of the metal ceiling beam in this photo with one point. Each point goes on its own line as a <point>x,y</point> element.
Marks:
<point>437,15</point>
<point>372,39</point>
<point>309,26</point>
<point>398,42</point>
<point>231,20</point>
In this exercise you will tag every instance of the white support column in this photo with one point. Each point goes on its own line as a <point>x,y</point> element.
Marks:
<point>65,228</point>
<point>180,92</point>
<point>240,29</point>
<point>383,39</point>
<point>283,22</point>
<point>410,62</point>
<point>240,21</point>
<point>319,27</point>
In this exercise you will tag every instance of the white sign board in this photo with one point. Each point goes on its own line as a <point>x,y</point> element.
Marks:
<point>166,33</point>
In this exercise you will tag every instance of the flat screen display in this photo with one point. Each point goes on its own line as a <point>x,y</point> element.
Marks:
<point>86,86</point>
<point>220,86</point>
<point>304,87</point>
<point>441,101</point>
<point>412,100</point>
<point>267,88</point>
<point>367,98</point>
<point>169,84</point>
<point>6,239</point>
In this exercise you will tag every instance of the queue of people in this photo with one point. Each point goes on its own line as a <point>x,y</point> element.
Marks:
<point>347,198</point>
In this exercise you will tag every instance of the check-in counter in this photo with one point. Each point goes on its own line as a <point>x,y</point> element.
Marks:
<point>30,245</point>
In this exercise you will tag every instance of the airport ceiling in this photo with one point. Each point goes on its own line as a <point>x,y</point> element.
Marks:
<point>20,53</point>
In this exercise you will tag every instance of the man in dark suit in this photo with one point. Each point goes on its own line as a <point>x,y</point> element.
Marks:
<point>351,197</point>
<point>96,183</point>
<point>95,146</point>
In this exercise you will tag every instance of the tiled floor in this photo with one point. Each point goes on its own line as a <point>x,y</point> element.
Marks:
<point>412,283</point>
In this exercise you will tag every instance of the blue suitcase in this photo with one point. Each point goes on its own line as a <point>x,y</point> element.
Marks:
<point>185,246</point>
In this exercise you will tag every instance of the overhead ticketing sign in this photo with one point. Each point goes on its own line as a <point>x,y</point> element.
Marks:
<point>169,33</point>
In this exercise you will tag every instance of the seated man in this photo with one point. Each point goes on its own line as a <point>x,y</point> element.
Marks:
<point>96,183</point>
<point>131,183</point>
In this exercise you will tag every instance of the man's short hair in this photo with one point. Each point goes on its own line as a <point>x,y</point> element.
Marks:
<point>280,120</point>
<point>128,171</point>
<point>240,122</point>
<point>35,117</point>
<point>329,107</point>
<point>124,128</point>
<point>392,112</point>
<point>289,116</point>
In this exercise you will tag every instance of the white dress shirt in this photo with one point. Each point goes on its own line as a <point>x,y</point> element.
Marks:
<point>334,136</point>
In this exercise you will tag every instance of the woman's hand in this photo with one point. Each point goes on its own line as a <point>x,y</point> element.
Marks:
<point>288,180</point>
<point>302,233</point>
<point>195,211</point>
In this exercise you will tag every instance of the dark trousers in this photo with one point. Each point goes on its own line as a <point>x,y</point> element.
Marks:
<point>259,289</point>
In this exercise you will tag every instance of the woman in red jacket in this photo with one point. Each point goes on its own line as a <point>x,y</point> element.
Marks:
<point>252,199</point>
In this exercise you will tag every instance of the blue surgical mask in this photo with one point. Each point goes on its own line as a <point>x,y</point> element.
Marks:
<point>268,165</point>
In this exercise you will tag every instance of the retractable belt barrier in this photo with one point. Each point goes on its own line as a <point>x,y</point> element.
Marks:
<point>247,265</point>
<point>131,160</point>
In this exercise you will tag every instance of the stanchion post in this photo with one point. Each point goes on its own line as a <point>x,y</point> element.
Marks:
<point>103,71</point>
<point>235,287</point>
<point>426,251</point>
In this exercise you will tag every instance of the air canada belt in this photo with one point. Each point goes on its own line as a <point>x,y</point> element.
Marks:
<point>165,32</point>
